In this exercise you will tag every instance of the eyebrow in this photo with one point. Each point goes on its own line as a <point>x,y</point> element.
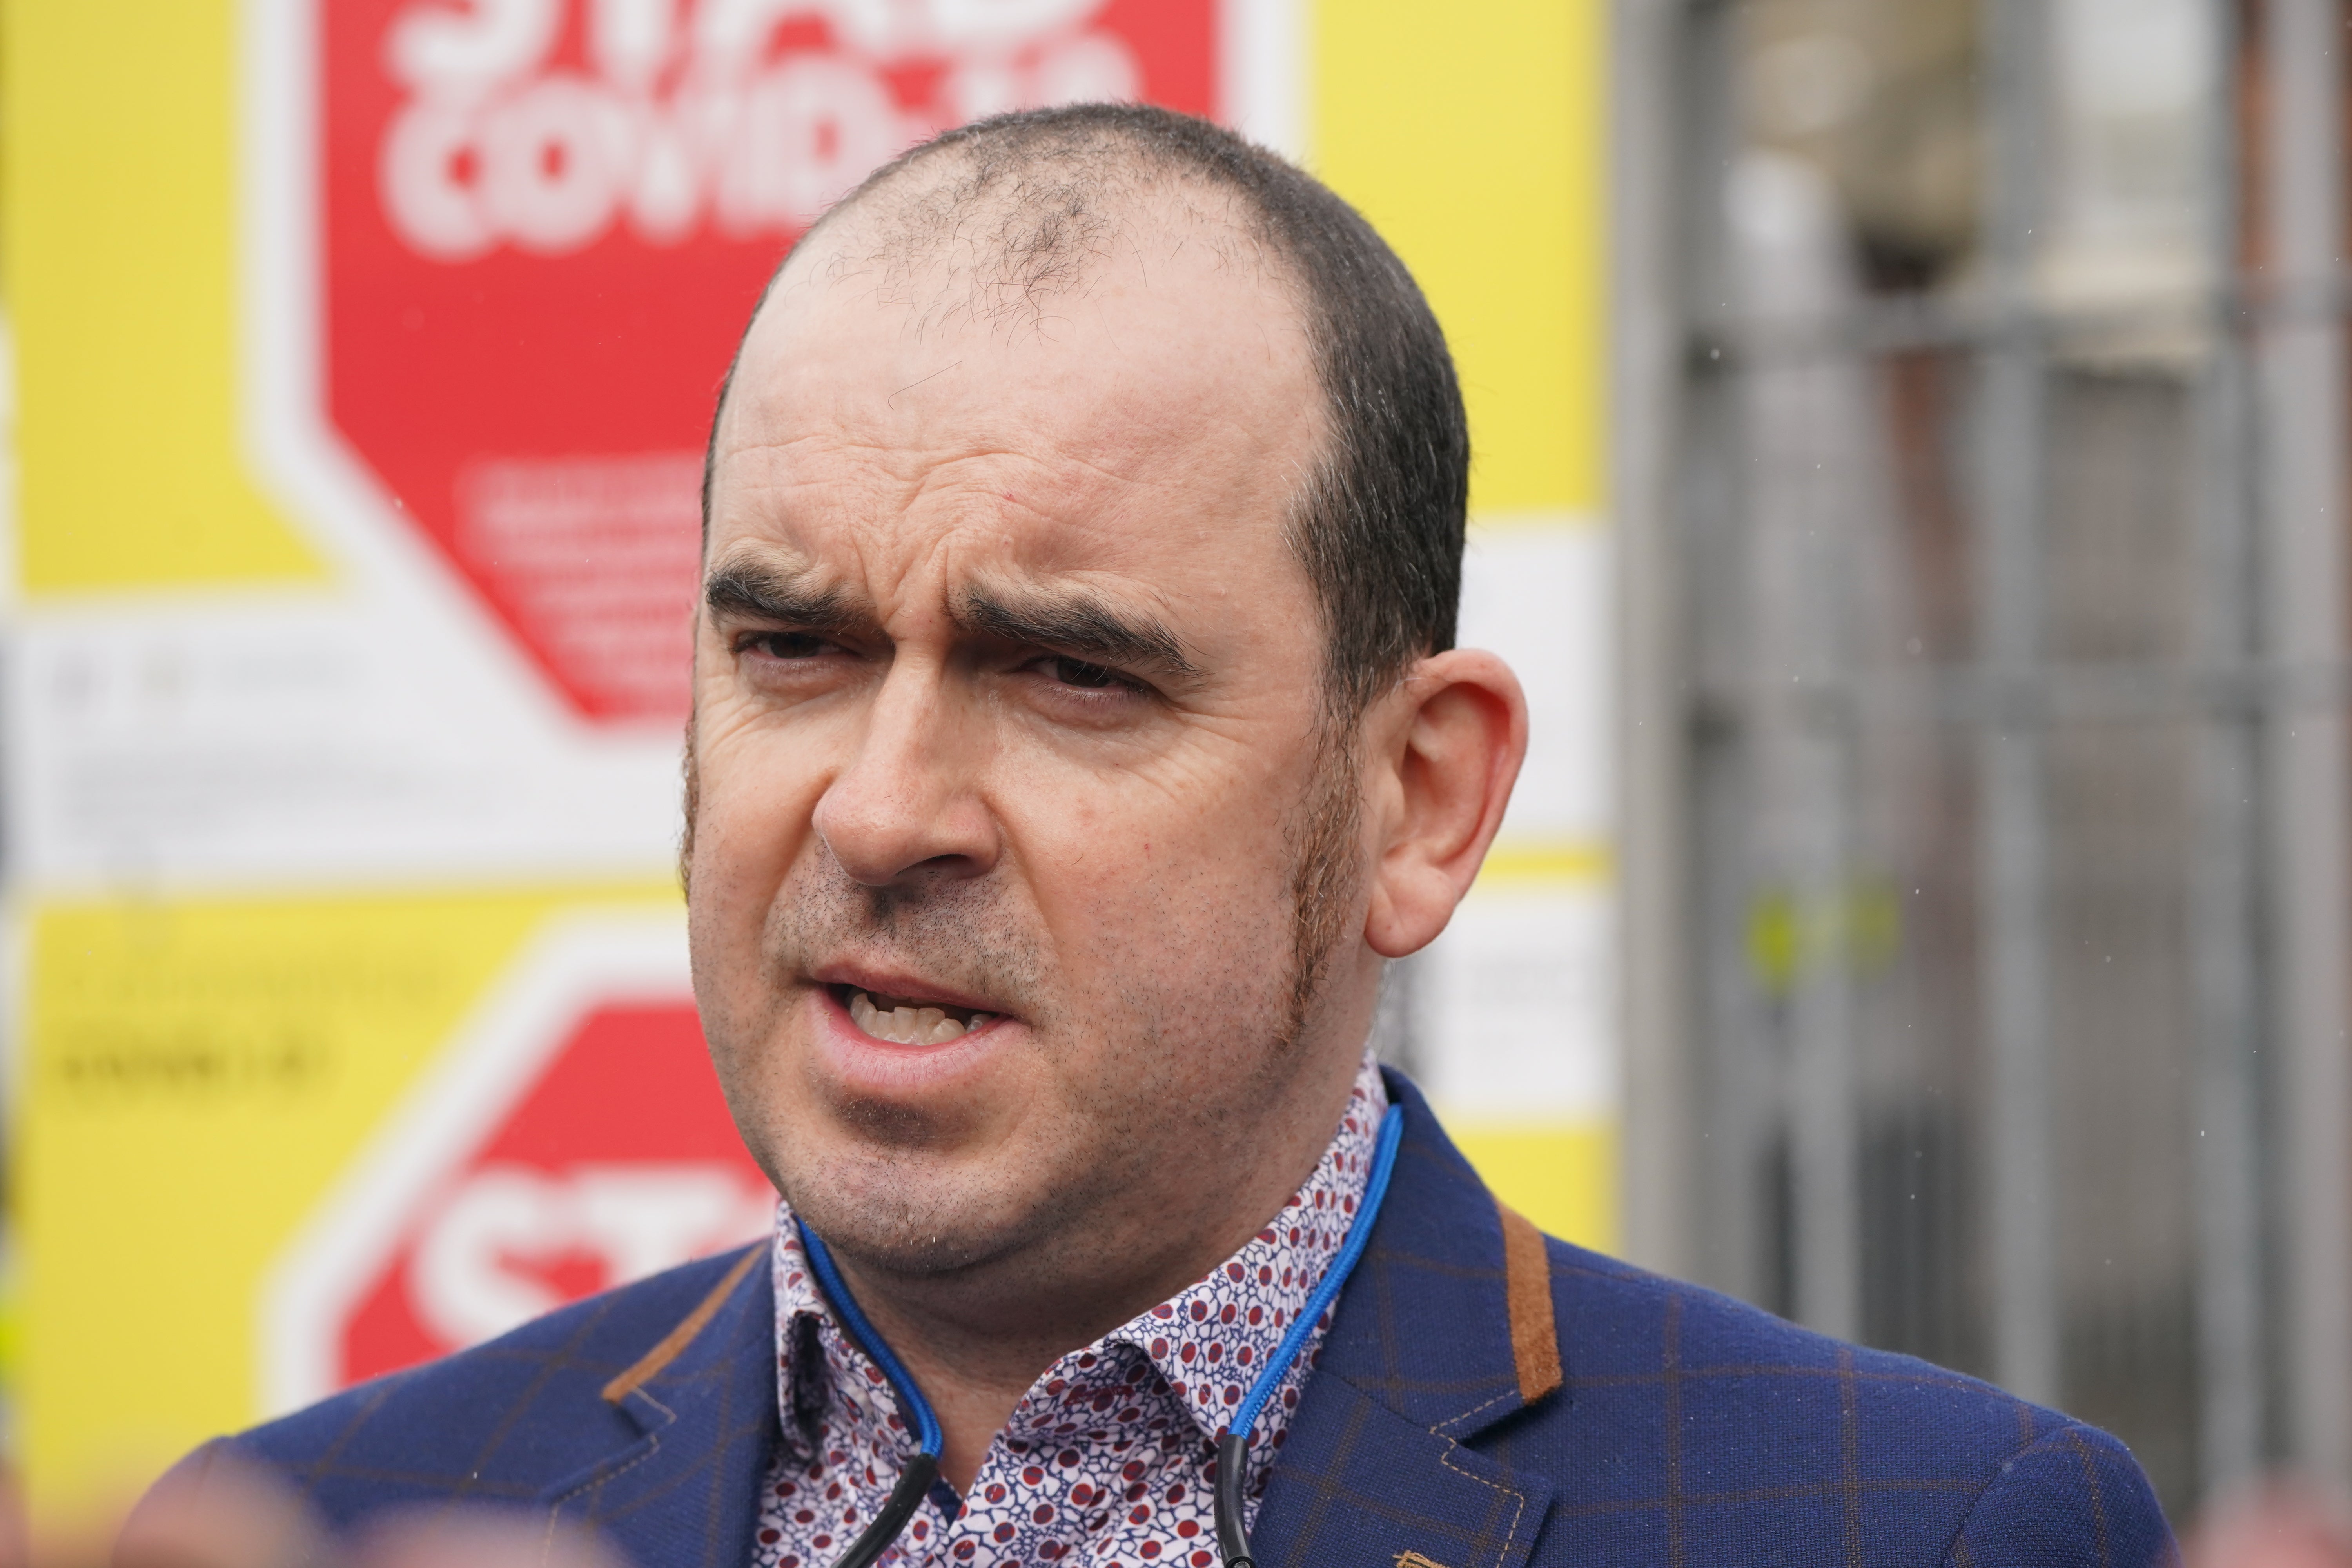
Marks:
<point>1079,625</point>
<point>747,591</point>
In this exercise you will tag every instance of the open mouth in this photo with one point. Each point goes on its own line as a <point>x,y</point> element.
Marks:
<point>907,1021</point>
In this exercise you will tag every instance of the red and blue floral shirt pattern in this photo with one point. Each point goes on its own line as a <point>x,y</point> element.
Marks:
<point>1109,1461</point>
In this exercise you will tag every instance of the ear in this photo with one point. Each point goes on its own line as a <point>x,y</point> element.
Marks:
<point>1445,748</point>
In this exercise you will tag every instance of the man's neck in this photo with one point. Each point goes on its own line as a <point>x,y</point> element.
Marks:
<point>977,1345</point>
<point>978,1341</point>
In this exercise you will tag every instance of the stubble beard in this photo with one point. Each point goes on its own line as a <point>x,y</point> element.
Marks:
<point>892,1204</point>
<point>1325,841</point>
<point>896,1197</point>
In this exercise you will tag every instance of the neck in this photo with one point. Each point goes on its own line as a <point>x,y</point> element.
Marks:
<point>976,1340</point>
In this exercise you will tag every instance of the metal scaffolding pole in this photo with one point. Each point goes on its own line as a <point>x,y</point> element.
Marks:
<point>2222,914</point>
<point>2303,590</point>
<point>2013,855</point>
<point>1803,512</point>
<point>1662,1116</point>
<point>1824,1107</point>
<point>1739,1072</point>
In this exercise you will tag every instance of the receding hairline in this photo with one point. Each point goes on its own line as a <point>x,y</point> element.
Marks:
<point>1055,197</point>
<point>905,225</point>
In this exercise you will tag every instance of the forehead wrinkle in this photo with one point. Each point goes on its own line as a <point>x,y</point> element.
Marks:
<point>1021,527</point>
<point>1056,513</point>
<point>1045,573</point>
<point>916,501</point>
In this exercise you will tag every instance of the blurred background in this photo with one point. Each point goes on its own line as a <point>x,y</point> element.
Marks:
<point>1910,479</point>
<point>1982,423</point>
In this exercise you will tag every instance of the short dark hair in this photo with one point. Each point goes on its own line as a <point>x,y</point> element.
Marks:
<point>1379,522</point>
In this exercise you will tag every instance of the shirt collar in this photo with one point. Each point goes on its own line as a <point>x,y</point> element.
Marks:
<point>1196,1353</point>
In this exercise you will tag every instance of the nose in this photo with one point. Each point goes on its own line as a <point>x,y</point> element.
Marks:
<point>903,809</point>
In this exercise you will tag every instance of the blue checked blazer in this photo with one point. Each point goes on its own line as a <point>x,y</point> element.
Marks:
<point>1486,1399</point>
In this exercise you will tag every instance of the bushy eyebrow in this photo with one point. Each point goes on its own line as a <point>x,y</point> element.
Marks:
<point>747,591</point>
<point>1079,625</point>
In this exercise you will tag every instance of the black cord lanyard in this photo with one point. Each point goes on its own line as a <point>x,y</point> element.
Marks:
<point>1232,1442</point>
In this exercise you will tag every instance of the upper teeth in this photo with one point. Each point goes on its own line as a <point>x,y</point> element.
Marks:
<point>908,1025</point>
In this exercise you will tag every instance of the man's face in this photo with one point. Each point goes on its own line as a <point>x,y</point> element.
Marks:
<point>1007,689</point>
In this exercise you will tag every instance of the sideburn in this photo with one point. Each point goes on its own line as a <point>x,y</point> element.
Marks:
<point>693,802</point>
<point>1324,838</point>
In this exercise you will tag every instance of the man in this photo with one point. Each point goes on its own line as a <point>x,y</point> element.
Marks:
<point>1078,732</point>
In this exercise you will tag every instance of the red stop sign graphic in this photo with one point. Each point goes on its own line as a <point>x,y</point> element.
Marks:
<point>619,1160</point>
<point>545,222</point>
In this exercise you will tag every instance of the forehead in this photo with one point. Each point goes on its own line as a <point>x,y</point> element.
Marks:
<point>1150,384</point>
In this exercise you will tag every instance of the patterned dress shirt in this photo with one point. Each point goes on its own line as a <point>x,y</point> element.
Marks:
<point>1109,1461</point>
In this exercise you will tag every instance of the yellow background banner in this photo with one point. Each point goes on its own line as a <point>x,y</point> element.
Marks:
<point>119,163</point>
<point>199,1072</point>
<point>1473,137</point>
<point>196,1070</point>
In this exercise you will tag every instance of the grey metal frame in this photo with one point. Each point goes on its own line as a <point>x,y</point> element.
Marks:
<point>2013,935</point>
<point>2263,688</point>
<point>2302,590</point>
<point>2229,1089</point>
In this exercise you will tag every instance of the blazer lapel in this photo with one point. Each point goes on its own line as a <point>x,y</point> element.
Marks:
<point>1446,1329</point>
<point>688,1491</point>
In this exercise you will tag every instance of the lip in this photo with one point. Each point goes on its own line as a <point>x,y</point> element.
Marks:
<point>869,1068</point>
<point>882,981</point>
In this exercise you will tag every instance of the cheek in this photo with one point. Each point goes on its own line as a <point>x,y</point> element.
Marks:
<point>755,793</point>
<point>1153,881</point>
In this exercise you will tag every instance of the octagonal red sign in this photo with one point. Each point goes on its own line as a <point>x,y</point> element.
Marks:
<point>542,223</point>
<point>618,1162</point>
<point>571,1138</point>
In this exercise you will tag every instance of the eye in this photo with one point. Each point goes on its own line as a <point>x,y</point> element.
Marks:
<point>785,644</point>
<point>1078,673</point>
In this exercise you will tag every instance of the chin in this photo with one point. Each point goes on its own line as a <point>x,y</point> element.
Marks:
<point>910,1211</point>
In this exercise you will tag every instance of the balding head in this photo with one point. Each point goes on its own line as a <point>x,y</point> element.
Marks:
<point>999,229</point>
<point>996,220</point>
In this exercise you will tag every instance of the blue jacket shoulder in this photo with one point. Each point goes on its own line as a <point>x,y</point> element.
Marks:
<point>506,1421</point>
<point>1687,1411</point>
